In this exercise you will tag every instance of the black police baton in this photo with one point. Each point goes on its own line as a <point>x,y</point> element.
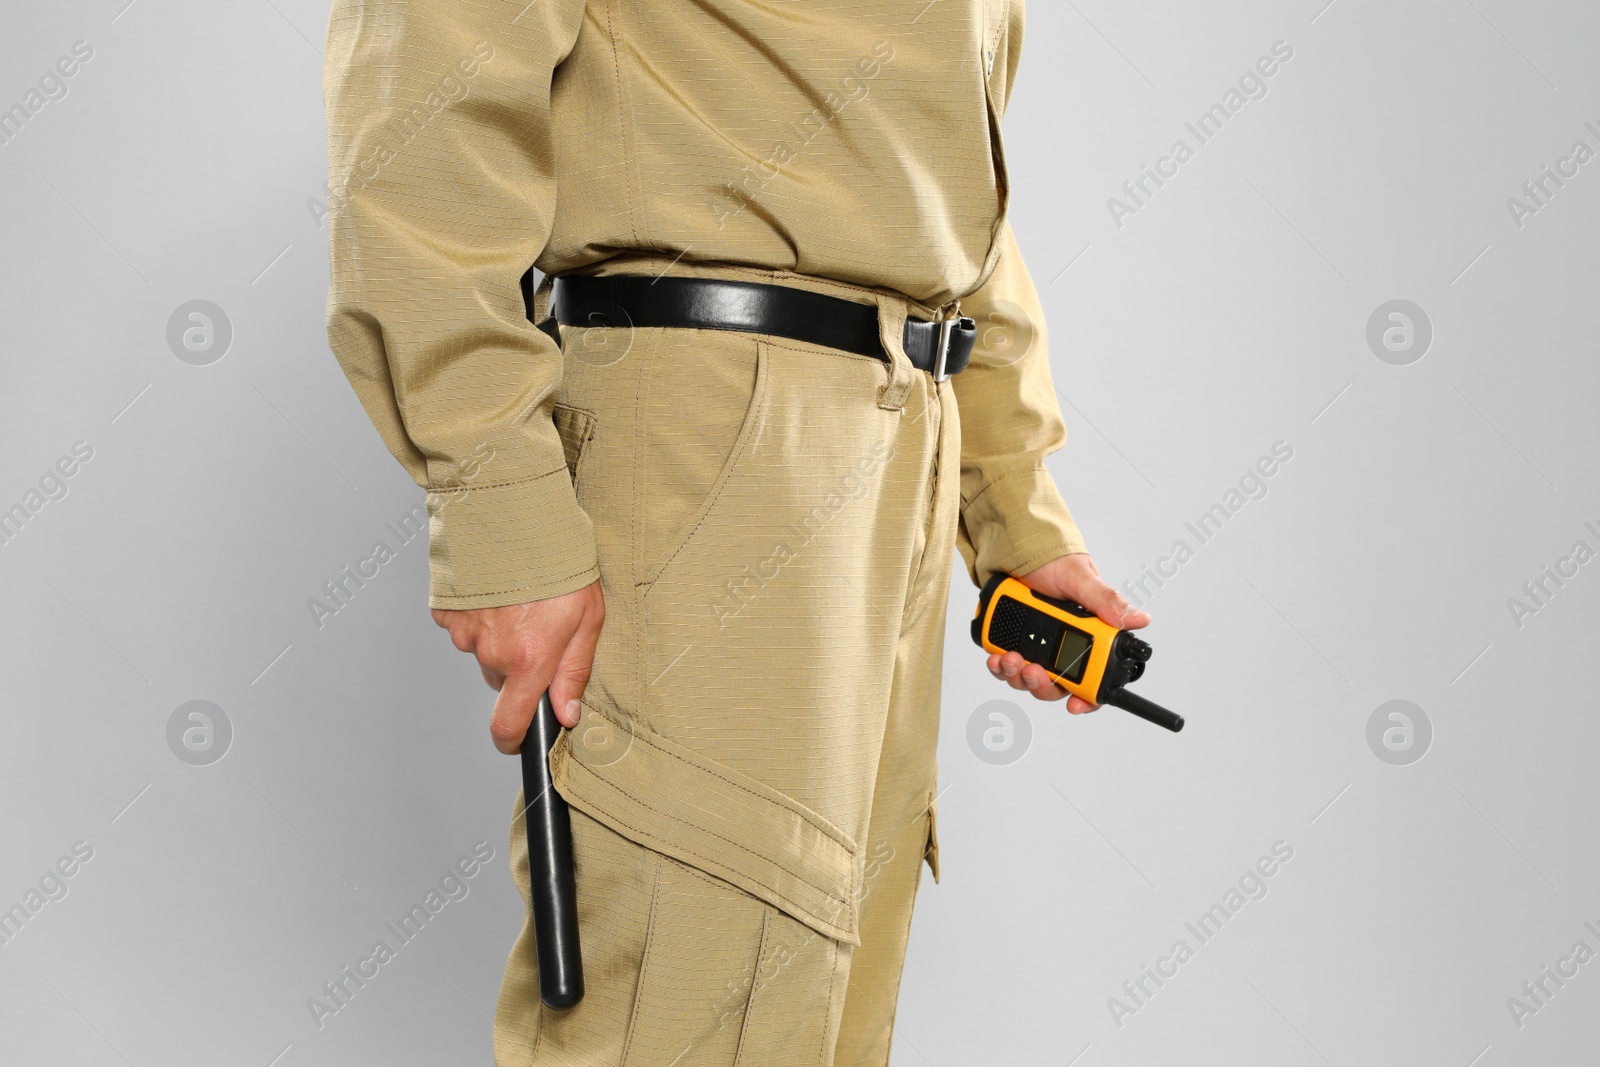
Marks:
<point>554,895</point>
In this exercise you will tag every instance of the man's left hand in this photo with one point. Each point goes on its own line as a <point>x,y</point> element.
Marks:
<point>1074,578</point>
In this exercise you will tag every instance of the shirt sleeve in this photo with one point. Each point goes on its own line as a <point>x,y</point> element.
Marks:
<point>1012,516</point>
<point>441,194</point>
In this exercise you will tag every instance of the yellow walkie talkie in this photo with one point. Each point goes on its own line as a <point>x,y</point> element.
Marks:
<point>1082,654</point>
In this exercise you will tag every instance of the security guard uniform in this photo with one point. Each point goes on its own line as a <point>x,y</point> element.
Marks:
<point>752,783</point>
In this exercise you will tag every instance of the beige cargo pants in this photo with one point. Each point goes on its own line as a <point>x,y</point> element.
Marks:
<point>752,783</point>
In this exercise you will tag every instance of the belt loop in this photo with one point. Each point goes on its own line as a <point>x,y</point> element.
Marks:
<point>892,334</point>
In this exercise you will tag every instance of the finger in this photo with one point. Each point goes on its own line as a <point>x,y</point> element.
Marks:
<point>1027,677</point>
<point>514,710</point>
<point>462,636</point>
<point>1040,684</point>
<point>493,679</point>
<point>1079,706</point>
<point>572,674</point>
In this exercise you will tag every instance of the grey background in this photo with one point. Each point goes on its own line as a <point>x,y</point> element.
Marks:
<point>1229,313</point>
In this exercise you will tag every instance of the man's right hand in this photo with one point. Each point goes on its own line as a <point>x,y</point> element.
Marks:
<point>525,649</point>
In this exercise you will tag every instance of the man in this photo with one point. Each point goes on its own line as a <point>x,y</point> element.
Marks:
<point>709,499</point>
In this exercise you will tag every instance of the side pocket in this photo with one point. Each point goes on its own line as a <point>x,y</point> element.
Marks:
<point>712,817</point>
<point>702,412</point>
<point>930,850</point>
<point>575,426</point>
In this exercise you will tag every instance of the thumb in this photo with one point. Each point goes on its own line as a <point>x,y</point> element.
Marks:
<point>1112,607</point>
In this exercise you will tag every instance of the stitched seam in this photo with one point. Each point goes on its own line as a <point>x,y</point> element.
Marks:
<point>726,475</point>
<point>831,833</point>
<point>565,406</point>
<point>583,454</point>
<point>636,528</point>
<point>833,982</point>
<point>452,490</point>
<point>644,963</point>
<point>841,902</point>
<point>999,31</point>
<point>515,588</point>
<point>750,1001</point>
<point>915,591</point>
<point>827,894</point>
<point>758,406</point>
<point>622,119</point>
<point>787,902</point>
<point>581,446</point>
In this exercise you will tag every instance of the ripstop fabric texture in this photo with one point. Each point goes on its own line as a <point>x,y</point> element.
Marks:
<point>753,781</point>
<point>853,140</point>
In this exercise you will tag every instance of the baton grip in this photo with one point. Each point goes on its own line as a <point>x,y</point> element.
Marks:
<point>553,893</point>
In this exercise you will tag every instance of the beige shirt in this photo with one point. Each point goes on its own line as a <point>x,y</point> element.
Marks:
<point>855,140</point>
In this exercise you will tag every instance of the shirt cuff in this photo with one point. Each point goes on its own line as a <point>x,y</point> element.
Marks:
<point>1016,524</point>
<point>493,545</point>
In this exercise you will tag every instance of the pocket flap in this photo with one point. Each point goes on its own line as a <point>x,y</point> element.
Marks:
<point>667,798</point>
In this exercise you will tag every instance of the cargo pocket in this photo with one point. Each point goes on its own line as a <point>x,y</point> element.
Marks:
<point>707,815</point>
<point>728,979</point>
<point>702,956</point>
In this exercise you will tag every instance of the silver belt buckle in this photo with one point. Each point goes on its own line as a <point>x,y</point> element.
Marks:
<point>945,326</point>
<point>941,357</point>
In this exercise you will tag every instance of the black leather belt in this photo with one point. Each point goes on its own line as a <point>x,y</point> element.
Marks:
<point>941,348</point>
